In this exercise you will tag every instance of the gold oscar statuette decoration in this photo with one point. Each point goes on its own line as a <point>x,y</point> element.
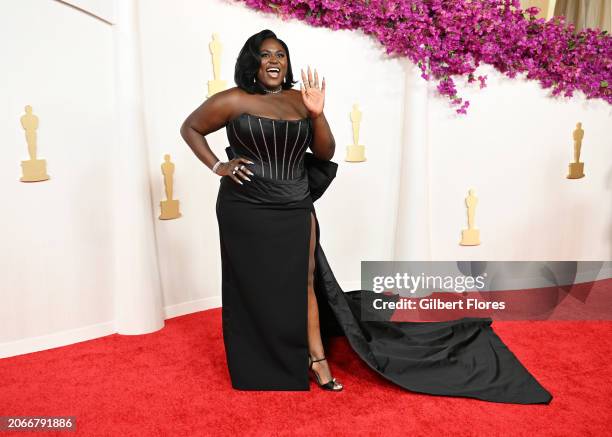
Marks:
<point>576,168</point>
<point>355,152</point>
<point>169,207</point>
<point>216,85</point>
<point>471,235</point>
<point>33,170</point>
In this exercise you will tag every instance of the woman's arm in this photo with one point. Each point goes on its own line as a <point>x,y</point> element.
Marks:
<point>313,98</point>
<point>323,145</point>
<point>209,117</point>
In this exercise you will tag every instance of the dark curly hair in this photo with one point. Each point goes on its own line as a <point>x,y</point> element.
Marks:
<point>249,61</point>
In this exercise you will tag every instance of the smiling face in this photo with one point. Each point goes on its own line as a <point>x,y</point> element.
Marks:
<point>273,65</point>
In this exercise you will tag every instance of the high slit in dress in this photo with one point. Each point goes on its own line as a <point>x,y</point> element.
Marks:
<point>264,229</point>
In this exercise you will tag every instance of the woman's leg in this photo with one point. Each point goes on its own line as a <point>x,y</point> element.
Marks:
<point>314,333</point>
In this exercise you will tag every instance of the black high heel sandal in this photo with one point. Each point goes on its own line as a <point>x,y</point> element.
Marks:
<point>331,385</point>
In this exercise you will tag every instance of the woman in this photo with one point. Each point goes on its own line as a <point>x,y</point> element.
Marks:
<point>279,295</point>
<point>266,218</point>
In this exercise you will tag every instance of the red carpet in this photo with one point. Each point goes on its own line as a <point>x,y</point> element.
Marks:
<point>174,382</point>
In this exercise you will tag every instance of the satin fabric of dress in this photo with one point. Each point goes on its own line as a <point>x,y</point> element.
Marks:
<point>462,357</point>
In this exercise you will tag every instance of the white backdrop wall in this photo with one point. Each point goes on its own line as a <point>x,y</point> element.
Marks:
<point>84,255</point>
<point>56,252</point>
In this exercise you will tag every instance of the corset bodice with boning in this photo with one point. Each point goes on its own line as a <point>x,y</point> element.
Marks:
<point>276,146</point>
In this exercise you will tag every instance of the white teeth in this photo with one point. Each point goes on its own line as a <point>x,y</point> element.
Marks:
<point>273,69</point>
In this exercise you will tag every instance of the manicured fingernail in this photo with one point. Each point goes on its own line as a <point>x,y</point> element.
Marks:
<point>247,178</point>
<point>240,183</point>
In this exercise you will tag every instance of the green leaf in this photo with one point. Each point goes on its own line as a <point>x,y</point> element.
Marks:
<point>603,84</point>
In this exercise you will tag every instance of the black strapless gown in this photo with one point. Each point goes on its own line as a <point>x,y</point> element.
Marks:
<point>264,228</point>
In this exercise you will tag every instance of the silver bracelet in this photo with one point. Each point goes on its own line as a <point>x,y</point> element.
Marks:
<point>217,164</point>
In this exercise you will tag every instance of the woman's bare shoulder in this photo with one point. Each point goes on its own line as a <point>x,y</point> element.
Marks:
<point>217,110</point>
<point>295,94</point>
<point>297,101</point>
<point>230,95</point>
<point>229,102</point>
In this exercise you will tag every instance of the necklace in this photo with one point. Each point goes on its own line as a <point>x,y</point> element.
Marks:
<point>277,90</point>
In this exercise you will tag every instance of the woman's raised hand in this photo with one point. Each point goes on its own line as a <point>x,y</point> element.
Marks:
<point>313,96</point>
<point>235,167</point>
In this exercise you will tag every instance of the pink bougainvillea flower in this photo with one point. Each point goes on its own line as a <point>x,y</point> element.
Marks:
<point>451,38</point>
